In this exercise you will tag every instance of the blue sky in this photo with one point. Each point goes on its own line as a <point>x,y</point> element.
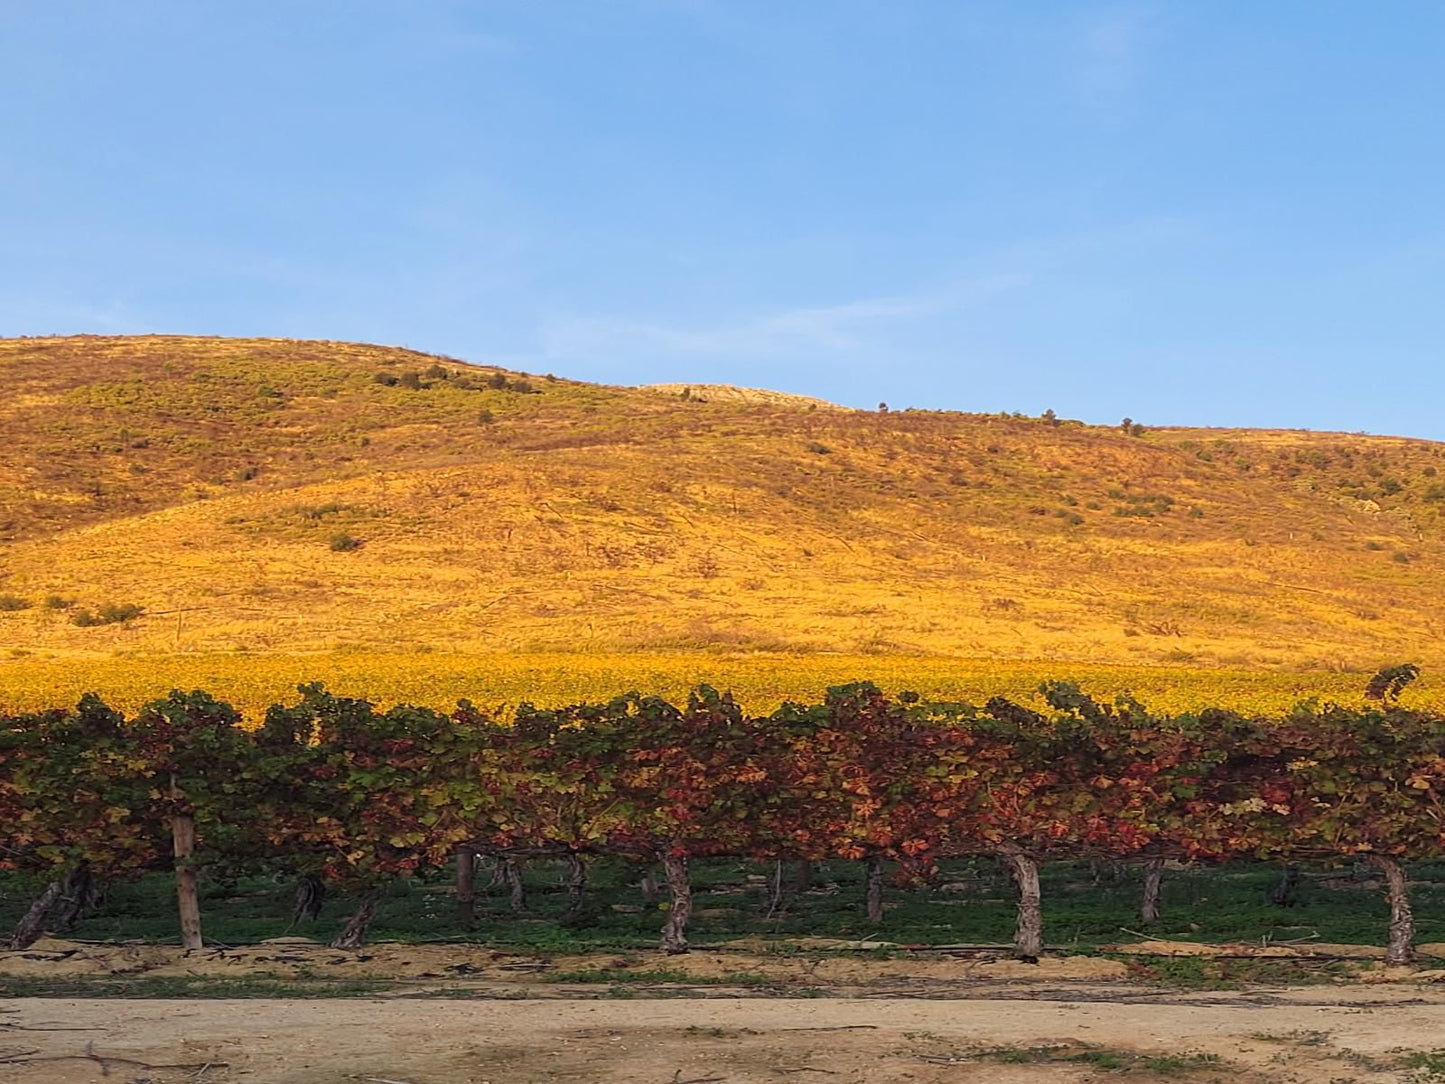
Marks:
<point>1226,213</point>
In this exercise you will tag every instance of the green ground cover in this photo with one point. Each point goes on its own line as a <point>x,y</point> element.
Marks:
<point>1086,906</point>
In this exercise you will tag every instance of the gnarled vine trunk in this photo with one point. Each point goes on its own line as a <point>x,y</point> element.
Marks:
<point>516,890</point>
<point>497,875</point>
<point>59,906</point>
<point>310,895</point>
<point>679,890</point>
<point>188,903</point>
<point>466,887</point>
<point>1149,904</point>
<point>79,896</point>
<point>1029,934</point>
<point>873,887</point>
<point>32,924</point>
<point>648,885</point>
<point>576,883</point>
<point>774,887</point>
<point>353,934</point>
<point>1286,892</point>
<point>1400,949</point>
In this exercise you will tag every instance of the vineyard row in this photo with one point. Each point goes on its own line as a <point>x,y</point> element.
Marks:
<point>332,791</point>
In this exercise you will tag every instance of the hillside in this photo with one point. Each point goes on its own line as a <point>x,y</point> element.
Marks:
<point>271,495</point>
<point>732,393</point>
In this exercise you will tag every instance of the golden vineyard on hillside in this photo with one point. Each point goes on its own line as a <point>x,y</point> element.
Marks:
<point>760,683</point>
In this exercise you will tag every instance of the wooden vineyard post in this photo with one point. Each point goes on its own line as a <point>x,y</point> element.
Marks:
<point>183,841</point>
<point>803,876</point>
<point>466,886</point>
<point>1149,905</point>
<point>873,887</point>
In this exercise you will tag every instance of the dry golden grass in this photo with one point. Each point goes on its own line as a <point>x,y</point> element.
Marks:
<point>760,681</point>
<point>731,393</point>
<point>209,480</point>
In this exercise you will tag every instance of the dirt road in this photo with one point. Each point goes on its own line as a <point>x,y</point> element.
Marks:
<point>1379,1032</point>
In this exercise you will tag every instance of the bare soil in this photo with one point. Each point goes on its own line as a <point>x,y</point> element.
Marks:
<point>1350,1034</point>
<point>463,1014</point>
<point>812,965</point>
<point>410,969</point>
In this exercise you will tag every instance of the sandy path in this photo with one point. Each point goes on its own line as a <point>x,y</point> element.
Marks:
<point>1351,1033</point>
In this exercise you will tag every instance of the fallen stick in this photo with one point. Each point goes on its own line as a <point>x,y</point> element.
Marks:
<point>106,1060</point>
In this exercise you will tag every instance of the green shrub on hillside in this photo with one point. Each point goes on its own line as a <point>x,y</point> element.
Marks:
<point>111,613</point>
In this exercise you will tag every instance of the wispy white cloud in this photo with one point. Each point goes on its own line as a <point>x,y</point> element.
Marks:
<point>824,329</point>
<point>449,31</point>
<point>1111,49</point>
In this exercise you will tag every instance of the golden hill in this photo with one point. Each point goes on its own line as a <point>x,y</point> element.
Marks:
<point>272,495</point>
